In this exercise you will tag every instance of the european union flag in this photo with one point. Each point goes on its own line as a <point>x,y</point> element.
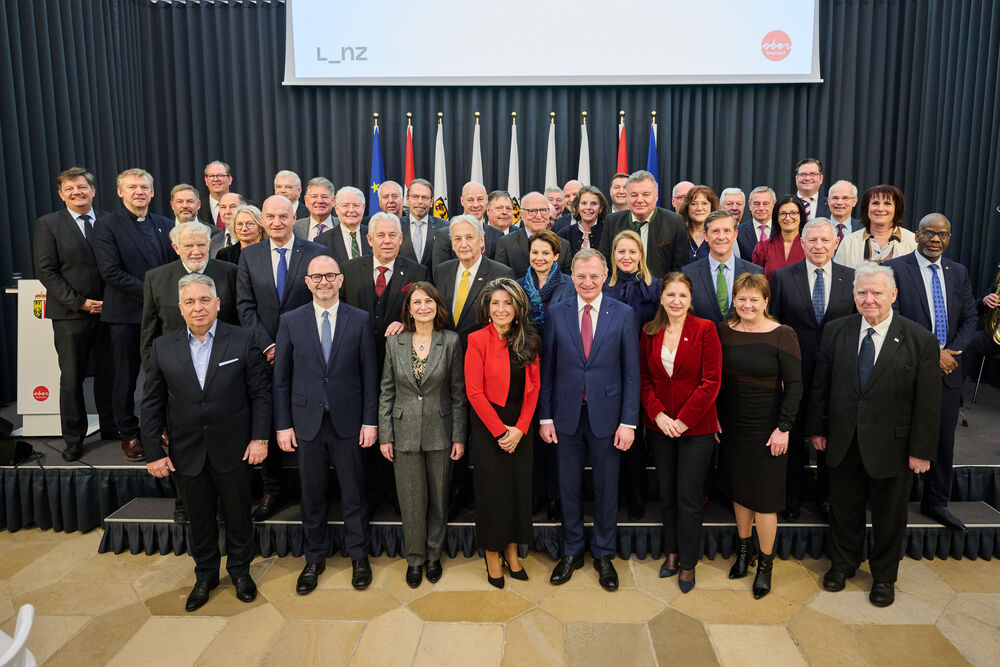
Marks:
<point>378,174</point>
<point>652,164</point>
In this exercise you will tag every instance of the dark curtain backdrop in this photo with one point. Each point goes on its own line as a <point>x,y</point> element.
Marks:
<point>909,97</point>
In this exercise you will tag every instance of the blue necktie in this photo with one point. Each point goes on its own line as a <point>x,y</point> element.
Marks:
<point>866,358</point>
<point>326,336</point>
<point>819,295</point>
<point>940,313</point>
<point>88,228</point>
<point>282,273</point>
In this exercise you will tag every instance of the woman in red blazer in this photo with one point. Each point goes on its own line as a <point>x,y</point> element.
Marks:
<point>502,381</point>
<point>784,248</point>
<point>681,366</point>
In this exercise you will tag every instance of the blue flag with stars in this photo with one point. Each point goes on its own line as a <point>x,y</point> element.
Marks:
<point>378,174</point>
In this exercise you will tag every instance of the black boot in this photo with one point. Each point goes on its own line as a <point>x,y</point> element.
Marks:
<point>744,559</point>
<point>762,582</point>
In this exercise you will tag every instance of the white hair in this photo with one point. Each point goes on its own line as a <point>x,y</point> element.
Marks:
<point>193,226</point>
<point>871,269</point>
<point>383,216</point>
<point>469,220</point>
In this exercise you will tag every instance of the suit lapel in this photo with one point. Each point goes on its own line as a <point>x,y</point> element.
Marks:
<point>851,350</point>
<point>706,279</point>
<point>572,316</point>
<point>951,302</point>
<point>435,355</point>
<point>913,275</point>
<point>601,331</point>
<point>137,238</point>
<point>893,339</point>
<point>801,280</point>
<point>343,321</point>
<point>841,289</point>
<point>482,277</point>
<point>404,367</point>
<point>219,347</point>
<point>184,354</point>
<point>293,266</point>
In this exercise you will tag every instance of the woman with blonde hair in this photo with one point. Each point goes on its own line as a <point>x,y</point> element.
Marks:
<point>246,226</point>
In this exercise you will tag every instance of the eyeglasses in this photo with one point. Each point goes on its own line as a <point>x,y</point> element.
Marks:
<point>929,234</point>
<point>217,177</point>
<point>535,211</point>
<point>785,215</point>
<point>318,277</point>
<point>809,174</point>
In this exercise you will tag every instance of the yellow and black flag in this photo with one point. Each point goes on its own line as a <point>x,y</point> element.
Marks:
<point>440,173</point>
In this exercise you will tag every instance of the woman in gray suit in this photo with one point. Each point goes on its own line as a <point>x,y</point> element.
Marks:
<point>422,423</point>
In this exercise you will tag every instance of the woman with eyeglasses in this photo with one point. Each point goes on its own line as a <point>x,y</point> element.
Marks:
<point>698,203</point>
<point>784,247</point>
<point>882,235</point>
<point>246,226</point>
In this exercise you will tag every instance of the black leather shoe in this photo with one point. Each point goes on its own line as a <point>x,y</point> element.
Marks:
<point>199,594</point>
<point>606,574</point>
<point>835,580</point>
<point>882,594</point>
<point>246,590</point>
<point>824,511</point>
<point>414,575</point>
<point>745,558</point>
<point>362,573</point>
<point>309,578</point>
<point>564,569</point>
<point>433,571</point>
<point>555,510</point>
<point>792,511</point>
<point>762,580</point>
<point>941,514</point>
<point>268,506</point>
<point>180,512</point>
<point>73,452</point>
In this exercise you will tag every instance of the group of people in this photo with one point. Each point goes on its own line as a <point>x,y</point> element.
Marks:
<point>605,333</point>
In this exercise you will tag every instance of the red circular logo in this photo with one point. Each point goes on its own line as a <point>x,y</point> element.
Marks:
<point>41,393</point>
<point>776,45</point>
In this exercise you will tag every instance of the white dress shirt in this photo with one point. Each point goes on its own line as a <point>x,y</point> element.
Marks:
<point>756,230</point>
<point>319,318</point>
<point>644,231</point>
<point>594,311</point>
<point>473,270</point>
<point>327,226</point>
<point>79,223</point>
<point>827,280</point>
<point>347,239</point>
<point>878,337</point>
<point>925,273</point>
<point>275,256</point>
<point>729,273</point>
<point>213,206</point>
<point>388,274</point>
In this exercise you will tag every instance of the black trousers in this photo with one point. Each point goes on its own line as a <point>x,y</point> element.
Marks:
<point>937,480</point>
<point>797,472</point>
<point>850,487</point>
<point>206,492</point>
<point>632,471</point>
<point>681,466</point>
<point>125,348</point>
<point>315,457</point>
<point>544,466</point>
<point>76,342</point>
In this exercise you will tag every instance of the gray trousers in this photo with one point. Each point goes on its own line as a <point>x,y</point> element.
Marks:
<point>422,480</point>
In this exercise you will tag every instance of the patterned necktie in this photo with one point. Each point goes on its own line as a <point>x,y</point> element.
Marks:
<point>807,205</point>
<point>380,281</point>
<point>463,294</point>
<point>218,221</point>
<point>355,248</point>
<point>866,358</point>
<point>722,290</point>
<point>940,312</point>
<point>587,331</point>
<point>586,239</point>
<point>88,228</point>
<point>282,273</point>
<point>320,228</point>
<point>326,336</point>
<point>840,231</point>
<point>819,295</point>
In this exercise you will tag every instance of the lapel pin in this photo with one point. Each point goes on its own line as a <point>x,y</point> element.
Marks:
<point>685,340</point>
<point>895,340</point>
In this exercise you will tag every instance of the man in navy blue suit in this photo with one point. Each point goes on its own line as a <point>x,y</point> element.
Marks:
<point>762,200</point>
<point>325,407</point>
<point>936,293</point>
<point>713,295</point>
<point>589,403</point>
<point>127,243</point>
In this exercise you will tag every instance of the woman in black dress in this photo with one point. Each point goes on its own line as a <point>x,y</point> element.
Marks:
<point>502,382</point>
<point>761,390</point>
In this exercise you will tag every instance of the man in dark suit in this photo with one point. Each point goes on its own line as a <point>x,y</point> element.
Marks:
<point>842,197</point>
<point>808,178</point>
<point>750,233</point>
<point>589,404</point>
<point>500,213</point>
<point>127,243</point>
<point>712,296</point>
<point>348,239</point>
<point>560,215</point>
<point>218,180</point>
<point>874,408</point>
<point>65,264</point>
<point>936,293</point>
<point>734,201</point>
<point>806,296</point>
<point>420,227</point>
<point>390,200</point>
<point>514,248</point>
<point>664,236</point>
<point>185,204</point>
<point>208,386</point>
<point>289,185</point>
<point>319,203</point>
<point>326,408</point>
<point>270,281</point>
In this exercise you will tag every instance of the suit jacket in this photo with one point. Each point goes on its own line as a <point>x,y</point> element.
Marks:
<point>703,299</point>
<point>256,295</point>
<point>333,239</point>
<point>205,212</point>
<point>855,225</point>
<point>434,225</point>
<point>513,250</point>
<point>305,387</point>
<point>791,304</point>
<point>444,280</point>
<point>300,227</point>
<point>66,266</point>
<point>689,392</point>
<point>442,245</point>
<point>160,312</point>
<point>487,381</point>
<point>746,238</point>
<point>609,377</point>
<point>573,237</point>
<point>214,423</point>
<point>667,243</point>
<point>960,304</point>
<point>428,415</point>
<point>895,415</point>
<point>123,260</point>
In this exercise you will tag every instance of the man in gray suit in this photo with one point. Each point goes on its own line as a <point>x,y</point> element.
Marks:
<point>319,203</point>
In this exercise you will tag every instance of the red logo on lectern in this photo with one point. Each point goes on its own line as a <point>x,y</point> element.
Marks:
<point>41,393</point>
<point>776,45</point>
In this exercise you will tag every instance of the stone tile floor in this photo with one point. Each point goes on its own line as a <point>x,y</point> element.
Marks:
<point>95,609</point>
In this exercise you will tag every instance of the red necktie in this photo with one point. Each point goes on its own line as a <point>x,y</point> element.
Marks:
<point>840,231</point>
<point>218,221</point>
<point>380,281</point>
<point>586,331</point>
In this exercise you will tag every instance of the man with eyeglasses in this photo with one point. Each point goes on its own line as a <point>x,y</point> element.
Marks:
<point>420,227</point>
<point>936,293</point>
<point>514,250</point>
<point>808,178</point>
<point>842,197</point>
<point>348,238</point>
<point>758,227</point>
<point>678,193</point>
<point>218,179</point>
<point>319,204</point>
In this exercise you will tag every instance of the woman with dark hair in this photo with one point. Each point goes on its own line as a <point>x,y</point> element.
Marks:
<point>246,226</point>
<point>502,382</point>
<point>590,208</point>
<point>681,366</point>
<point>784,247</point>
<point>697,204</point>
<point>882,235</point>
<point>544,283</point>
<point>422,424</point>
<point>758,401</point>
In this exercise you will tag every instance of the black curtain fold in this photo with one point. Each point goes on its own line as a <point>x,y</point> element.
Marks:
<point>909,97</point>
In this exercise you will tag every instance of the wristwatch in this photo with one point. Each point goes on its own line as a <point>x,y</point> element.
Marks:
<point>263,442</point>
<point>784,427</point>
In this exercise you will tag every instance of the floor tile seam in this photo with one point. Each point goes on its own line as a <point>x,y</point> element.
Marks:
<point>270,644</point>
<point>357,640</point>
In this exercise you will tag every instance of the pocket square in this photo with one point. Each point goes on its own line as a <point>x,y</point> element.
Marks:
<point>230,361</point>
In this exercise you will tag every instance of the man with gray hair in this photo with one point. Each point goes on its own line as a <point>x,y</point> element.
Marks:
<point>390,199</point>
<point>514,249</point>
<point>348,239</point>
<point>319,203</point>
<point>874,409</point>
<point>289,185</point>
<point>842,197</point>
<point>185,202</point>
<point>733,201</point>
<point>758,227</point>
<point>558,213</point>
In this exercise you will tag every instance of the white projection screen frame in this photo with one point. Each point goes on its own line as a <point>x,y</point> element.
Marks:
<point>532,43</point>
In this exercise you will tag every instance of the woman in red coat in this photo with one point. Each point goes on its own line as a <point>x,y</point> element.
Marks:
<point>681,365</point>
<point>784,248</point>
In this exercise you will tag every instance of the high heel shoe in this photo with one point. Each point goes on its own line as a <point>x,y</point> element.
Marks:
<point>744,559</point>
<point>520,575</point>
<point>665,570</point>
<point>686,586</point>
<point>762,581</point>
<point>496,582</point>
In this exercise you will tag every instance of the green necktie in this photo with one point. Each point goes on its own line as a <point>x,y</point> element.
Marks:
<point>721,292</point>
<point>355,250</point>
